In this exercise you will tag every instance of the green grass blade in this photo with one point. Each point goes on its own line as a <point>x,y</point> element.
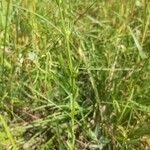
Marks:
<point>139,47</point>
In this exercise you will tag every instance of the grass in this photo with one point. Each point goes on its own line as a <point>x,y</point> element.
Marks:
<point>75,74</point>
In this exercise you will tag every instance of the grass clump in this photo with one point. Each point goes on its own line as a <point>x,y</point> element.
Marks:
<point>74,74</point>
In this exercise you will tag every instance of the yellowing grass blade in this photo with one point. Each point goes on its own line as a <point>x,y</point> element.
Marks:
<point>8,132</point>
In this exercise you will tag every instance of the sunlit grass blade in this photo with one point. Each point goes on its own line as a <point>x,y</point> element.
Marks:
<point>139,47</point>
<point>8,132</point>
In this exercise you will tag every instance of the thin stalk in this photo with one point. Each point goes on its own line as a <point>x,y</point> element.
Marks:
<point>4,49</point>
<point>71,74</point>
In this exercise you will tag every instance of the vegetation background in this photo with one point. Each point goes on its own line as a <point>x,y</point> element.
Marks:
<point>75,74</point>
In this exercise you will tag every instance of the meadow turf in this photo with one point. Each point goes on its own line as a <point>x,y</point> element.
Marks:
<point>75,74</point>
